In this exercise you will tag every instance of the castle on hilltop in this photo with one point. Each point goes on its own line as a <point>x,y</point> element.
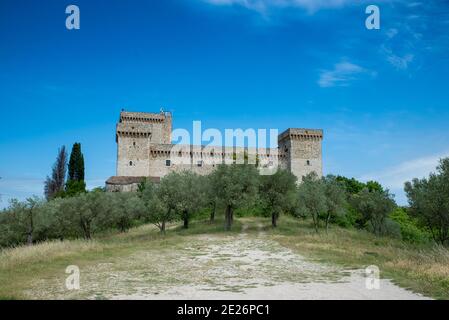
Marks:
<point>145,150</point>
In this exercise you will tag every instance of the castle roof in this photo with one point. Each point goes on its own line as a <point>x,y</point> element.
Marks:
<point>122,180</point>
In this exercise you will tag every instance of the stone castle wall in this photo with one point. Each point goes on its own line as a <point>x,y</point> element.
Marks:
<point>144,149</point>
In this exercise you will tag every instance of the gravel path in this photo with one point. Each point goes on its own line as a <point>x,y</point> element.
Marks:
<point>220,267</point>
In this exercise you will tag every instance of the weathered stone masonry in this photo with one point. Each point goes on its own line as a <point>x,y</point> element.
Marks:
<point>144,150</point>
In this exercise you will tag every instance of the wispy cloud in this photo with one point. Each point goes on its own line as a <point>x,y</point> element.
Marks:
<point>396,176</point>
<point>391,33</point>
<point>399,62</point>
<point>342,74</point>
<point>263,6</point>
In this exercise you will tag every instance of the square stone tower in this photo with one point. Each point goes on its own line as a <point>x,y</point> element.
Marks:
<point>302,150</point>
<point>135,132</point>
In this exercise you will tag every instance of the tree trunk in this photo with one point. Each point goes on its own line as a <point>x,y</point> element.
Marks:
<point>29,239</point>
<point>30,231</point>
<point>273,220</point>
<point>212,214</point>
<point>186,220</point>
<point>86,229</point>
<point>163,227</point>
<point>228,220</point>
<point>328,218</point>
<point>315,222</point>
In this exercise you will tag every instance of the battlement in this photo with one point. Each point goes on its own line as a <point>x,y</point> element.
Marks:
<point>211,151</point>
<point>300,133</point>
<point>144,117</point>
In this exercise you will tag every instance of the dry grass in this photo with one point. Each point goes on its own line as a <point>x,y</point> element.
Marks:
<point>424,269</point>
<point>25,255</point>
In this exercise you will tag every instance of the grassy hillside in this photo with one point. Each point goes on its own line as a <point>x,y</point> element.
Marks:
<point>38,271</point>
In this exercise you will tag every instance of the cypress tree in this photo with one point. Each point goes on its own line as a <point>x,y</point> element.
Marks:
<point>54,185</point>
<point>76,163</point>
<point>75,183</point>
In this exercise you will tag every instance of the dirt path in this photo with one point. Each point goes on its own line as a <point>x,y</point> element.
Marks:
<point>220,267</point>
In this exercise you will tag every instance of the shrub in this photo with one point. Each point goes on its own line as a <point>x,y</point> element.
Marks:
<point>410,229</point>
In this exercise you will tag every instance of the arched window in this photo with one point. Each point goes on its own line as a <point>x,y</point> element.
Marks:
<point>130,163</point>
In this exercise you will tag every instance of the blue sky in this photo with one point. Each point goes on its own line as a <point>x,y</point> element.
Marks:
<point>381,96</point>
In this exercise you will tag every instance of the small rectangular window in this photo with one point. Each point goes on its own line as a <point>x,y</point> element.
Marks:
<point>199,163</point>
<point>167,163</point>
<point>308,162</point>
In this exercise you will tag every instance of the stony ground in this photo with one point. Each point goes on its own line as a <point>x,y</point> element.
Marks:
<point>244,266</point>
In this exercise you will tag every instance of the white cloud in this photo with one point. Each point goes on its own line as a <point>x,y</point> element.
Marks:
<point>391,33</point>
<point>399,62</point>
<point>396,176</point>
<point>262,6</point>
<point>342,74</point>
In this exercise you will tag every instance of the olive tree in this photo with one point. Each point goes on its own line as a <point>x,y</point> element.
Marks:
<point>375,207</point>
<point>236,186</point>
<point>311,197</point>
<point>189,197</point>
<point>277,193</point>
<point>92,207</point>
<point>126,207</point>
<point>58,219</point>
<point>211,198</point>
<point>158,207</point>
<point>429,201</point>
<point>335,195</point>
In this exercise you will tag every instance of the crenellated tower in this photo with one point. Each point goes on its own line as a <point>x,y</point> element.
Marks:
<point>135,133</point>
<point>302,150</point>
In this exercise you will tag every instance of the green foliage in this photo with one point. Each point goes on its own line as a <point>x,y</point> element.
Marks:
<point>312,198</point>
<point>235,186</point>
<point>335,194</point>
<point>429,201</point>
<point>183,192</point>
<point>73,188</point>
<point>123,212</point>
<point>277,193</point>
<point>410,229</point>
<point>233,189</point>
<point>352,185</point>
<point>374,186</point>
<point>18,223</point>
<point>375,208</point>
<point>322,199</point>
<point>159,207</point>
<point>351,219</point>
<point>76,163</point>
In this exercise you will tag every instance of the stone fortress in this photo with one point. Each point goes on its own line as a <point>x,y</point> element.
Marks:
<point>145,150</point>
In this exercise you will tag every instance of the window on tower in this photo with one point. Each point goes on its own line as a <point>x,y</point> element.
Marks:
<point>167,163</point>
